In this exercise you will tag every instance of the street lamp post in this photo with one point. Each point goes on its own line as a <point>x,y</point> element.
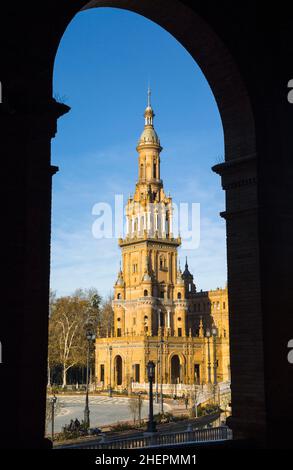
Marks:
<point>208,335</point>
<point>215,333</point>
<point>90,337</point>
<point>157,381</point>
<point>139,408</point>
<point>110,374</point>
<point>151,375</point>
<point>53,402</point>
<point>161,377</point>
<point>195,393</point>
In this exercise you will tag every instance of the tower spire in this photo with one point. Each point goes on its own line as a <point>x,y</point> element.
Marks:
<point>149,113</point>
<point>149,96</point>
<point>149,136</point>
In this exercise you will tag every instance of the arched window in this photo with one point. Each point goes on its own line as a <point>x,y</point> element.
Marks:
<point>119,296</point>
<point>145,293</point>
<point>155,170</point>
<point>179,295</point>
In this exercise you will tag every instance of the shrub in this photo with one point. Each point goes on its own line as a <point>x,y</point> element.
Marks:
<point>168,418</point>
<point>122,427</point>
<point>72,431</point>
<point>208,409</point>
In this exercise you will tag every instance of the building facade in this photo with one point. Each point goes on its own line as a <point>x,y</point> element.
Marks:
<point>158,313</point>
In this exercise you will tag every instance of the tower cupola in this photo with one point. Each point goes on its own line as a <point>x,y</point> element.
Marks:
<point>149,137</point>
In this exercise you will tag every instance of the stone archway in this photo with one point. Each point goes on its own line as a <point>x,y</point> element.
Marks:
<point>29,122</point>
<point>176,368</point>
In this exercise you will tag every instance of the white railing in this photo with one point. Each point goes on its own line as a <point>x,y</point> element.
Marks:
<point>219,434</point>
<point>203,392</point>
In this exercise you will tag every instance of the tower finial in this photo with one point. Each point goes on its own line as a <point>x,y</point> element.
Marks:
<point>186,264</point>
<point>149,95</point>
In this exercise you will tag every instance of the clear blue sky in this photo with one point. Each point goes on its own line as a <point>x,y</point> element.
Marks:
<point>104,63</point>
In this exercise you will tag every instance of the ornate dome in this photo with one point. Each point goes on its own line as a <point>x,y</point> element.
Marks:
<point>149,136</point>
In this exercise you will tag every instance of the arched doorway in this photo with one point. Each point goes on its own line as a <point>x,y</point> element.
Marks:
<point>118,371</point>
<point>175,369</point>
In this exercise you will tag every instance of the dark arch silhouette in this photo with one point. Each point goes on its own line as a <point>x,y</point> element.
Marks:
<point>235,48</point>
<point>175,369</point>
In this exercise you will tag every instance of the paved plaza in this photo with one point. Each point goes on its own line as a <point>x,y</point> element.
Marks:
<point>103,410</point>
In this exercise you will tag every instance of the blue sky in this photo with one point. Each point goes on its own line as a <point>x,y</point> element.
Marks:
<point>104,63</point>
